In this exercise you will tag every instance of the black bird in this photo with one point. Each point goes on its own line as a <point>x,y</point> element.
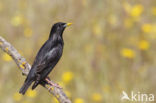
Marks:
<point>47,57</point>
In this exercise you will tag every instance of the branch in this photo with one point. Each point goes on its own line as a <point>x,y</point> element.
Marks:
<point>24,66</point>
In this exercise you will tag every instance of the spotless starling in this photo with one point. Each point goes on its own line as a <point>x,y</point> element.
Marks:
<point>47,57</point>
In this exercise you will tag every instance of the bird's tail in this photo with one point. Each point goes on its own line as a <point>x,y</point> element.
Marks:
<point>25,87</point>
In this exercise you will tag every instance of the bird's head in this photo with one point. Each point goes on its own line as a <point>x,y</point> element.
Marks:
<point>58,28</point>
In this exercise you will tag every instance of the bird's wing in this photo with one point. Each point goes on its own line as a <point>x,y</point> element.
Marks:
<point>49,57</point>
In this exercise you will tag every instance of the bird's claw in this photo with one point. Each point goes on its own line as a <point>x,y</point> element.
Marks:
<point>52,84</point>
<point>55,85</point>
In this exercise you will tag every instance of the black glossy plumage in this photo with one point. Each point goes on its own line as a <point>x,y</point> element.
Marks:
<point>46,58</point>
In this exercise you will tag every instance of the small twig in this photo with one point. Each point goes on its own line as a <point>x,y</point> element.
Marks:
<point>25,67</point>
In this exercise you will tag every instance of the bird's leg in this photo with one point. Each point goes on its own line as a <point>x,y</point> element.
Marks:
<point>52,83</point>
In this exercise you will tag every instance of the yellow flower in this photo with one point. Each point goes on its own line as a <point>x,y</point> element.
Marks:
<point>153,29</point>
<point>153,11</point>
<point>143,45</point>
<point>17,97</point>
<point>6,57</point>
<point>127,7</point>
<point>146,28</point>
<point>17,20</point>
<point>136,10</point>
<point>97,30</point>
<point>67,77</point>
<point>31,93</point>
<point>127,53</point>
<point>78,100</point>
<point>96,97</point>
<point>27,32</point>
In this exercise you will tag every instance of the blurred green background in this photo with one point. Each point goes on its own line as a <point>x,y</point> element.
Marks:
<point>110,48</point>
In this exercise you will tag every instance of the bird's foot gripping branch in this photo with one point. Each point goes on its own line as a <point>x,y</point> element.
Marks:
<point>52,83</point>
<point>24,66</point>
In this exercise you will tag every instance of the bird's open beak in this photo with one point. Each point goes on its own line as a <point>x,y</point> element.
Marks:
<point>68,24</point>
